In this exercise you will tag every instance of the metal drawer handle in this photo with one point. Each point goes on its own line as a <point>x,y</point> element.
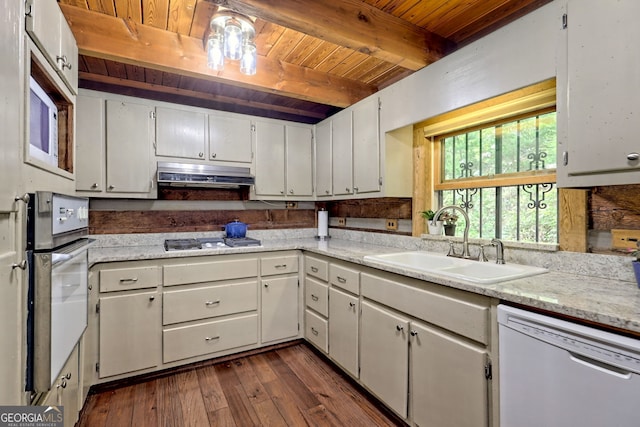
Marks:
<point>281,266</point>
<point>314,297</point>
<point>152,298</point>
<point>633,156</point>
<point>399,328</point>
<point>314,269</point>
<point>266,285</point>
<point>211,338</point>
<point>63,384</point>
<point>134,279</point>
<point>208,303</point>
<point>352,304</point>
<point>413,333</point>
<point>341,279</point>
<point>24,198</point>
<point>314,331</point>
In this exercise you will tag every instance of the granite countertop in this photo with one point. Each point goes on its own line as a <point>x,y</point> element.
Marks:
<point>607,301</point>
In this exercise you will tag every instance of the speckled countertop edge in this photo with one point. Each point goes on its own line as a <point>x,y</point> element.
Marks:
<point>605,300</point>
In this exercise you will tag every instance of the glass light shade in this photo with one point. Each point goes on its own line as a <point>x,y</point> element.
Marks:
<point>215,53</point>
<point>233,40</point>
<point>249,59</point>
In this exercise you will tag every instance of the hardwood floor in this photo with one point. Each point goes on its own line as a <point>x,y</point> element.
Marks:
<point>291,386</point>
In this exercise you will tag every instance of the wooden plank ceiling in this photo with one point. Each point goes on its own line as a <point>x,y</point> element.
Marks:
<point>314,57</point>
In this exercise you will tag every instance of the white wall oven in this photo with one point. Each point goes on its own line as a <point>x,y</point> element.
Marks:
<point>57,226</point>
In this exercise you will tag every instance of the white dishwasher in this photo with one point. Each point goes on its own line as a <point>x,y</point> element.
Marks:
<point>555,373</point>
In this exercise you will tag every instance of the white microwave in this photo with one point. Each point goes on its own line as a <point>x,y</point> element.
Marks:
<point>43,125</point>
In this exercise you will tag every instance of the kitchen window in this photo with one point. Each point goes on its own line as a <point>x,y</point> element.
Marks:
<point>502,171</point>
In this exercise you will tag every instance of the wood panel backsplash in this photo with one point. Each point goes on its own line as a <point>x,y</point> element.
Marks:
<point>383,207</point>
<point>615,207</point>
<point>165,221</point>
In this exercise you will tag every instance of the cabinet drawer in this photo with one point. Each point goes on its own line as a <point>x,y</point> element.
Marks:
<point>345,278</point>
<point>316,267</point>
<point>461,312</point>
<point>317,296</point>
<point>211,337</point>
<point>316,330</point>
<point>198,272</point>
<point>279,265</point>
<point>123,279</point>
<point>181,305</point>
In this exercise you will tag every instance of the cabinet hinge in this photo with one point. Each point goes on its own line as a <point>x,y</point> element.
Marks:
<point>298,327</point>
<point>28,4</point>
<point>98,308</point>
<point>253,128</point>
<point>488,371</point>
<point>152,115</point>
<point>98,367</point>
<point>380,181</point>
<point>379,104</point>
<point>564,21</point>
<point>565,158</point>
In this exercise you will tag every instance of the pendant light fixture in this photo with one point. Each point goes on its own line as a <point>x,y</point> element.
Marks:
<point>232,36</point>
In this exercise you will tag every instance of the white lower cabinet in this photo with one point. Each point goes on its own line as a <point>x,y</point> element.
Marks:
<point>279,308</point>
<point>65,390</point>
<point>344,311</point>
<point>447,379</point>
<point>384,357</point>
<point>130,332</point>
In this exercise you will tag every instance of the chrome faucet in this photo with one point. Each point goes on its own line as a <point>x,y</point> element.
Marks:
<point>499,250</point>
<point>465,240</point>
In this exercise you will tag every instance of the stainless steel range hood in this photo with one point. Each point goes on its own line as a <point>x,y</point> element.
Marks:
<point>194,175</point>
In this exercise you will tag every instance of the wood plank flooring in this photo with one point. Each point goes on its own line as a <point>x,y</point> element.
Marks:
<point>291,386</point>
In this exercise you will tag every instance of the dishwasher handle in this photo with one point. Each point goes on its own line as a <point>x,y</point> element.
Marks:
<point>600,366</point>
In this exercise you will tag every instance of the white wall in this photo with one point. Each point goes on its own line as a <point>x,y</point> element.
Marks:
<point>517,55</point>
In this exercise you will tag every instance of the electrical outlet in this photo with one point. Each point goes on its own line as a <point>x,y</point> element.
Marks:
<point>342,222</point>
<point>625,239</point>
<point>292,205</point>
<point>392,224</point>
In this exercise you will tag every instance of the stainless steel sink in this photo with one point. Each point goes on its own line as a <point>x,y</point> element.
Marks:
<point>459,268</point>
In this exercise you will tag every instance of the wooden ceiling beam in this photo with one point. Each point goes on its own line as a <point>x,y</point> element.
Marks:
<point>170,90</point>
<point>123,40</point>
<point>354,24</point>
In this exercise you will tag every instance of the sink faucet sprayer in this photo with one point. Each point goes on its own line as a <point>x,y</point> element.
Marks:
<point>465,241</point>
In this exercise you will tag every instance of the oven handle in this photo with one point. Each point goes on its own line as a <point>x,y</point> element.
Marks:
<point>59,258</point>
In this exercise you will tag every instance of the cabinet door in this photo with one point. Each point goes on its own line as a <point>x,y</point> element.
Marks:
<point>343,330</point>
<point>269,159</point>
<point>90,143</point>
<point>366,148</point>
<point>279,308</point>
<point>603,93</point>
<point>229,139</point>
<point>130,332</point>
<point>448,385</point>
<point>129,138</point>
<point>43,25</point>
<point>180,133</point>
<point>384,355</point>
<point>323,158</point>
<point>342,154</point>
<point>69,51</point>
<point>299,145</point>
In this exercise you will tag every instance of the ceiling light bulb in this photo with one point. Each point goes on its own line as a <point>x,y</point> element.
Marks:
<point>233,40</point>
<point>215,54</point>
<point>249,59</point>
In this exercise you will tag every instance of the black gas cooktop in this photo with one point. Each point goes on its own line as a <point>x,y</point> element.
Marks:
<point>208,243</point>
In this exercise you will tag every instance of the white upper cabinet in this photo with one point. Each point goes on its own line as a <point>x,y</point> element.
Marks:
<point>90,144</point>
<point>342,153</point>
<point>180,133</point>
<point>366,147</point>
<point>230,139</point>
<point>299,161</point>
<point>129,138</point>
<point>48,28</point>
<point>269,159</point>
<point>284,160</point>
<point>602,86</point>
<point>323,159</point>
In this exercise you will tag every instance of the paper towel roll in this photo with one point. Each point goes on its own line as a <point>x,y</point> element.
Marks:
<point>323,223</point>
